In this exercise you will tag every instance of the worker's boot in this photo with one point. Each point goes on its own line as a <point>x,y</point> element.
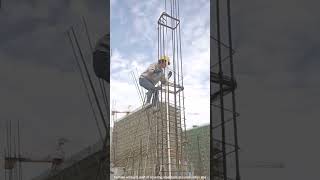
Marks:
<point>155,101</point>
<point>147,103</point>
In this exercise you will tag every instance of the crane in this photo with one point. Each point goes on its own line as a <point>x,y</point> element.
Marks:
<point>115,112</point>
<point>10,162</point>
<point>56,159</point>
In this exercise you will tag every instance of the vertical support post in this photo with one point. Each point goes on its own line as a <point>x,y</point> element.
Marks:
<point>221,93</point>
<point>234,114</point>
<point>168,132</point>
<point>19,151</point>
<point>199,153</point>
<point>140,157</point>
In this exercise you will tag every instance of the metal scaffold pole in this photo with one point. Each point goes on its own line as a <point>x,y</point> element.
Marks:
<point>234,114</point>
<point>221,94</point>
<point>225,84</point>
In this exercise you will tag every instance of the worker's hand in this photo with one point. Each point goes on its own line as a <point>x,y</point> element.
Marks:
<point>169,74</point>
<point>182,88</point>
<point>164,82</point>
<point>158,88</point>
<point>157,71</point>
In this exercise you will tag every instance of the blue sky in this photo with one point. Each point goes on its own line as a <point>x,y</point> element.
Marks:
<point>134,47</point>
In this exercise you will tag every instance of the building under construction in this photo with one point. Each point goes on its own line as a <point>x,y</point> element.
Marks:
<point>145,142</point>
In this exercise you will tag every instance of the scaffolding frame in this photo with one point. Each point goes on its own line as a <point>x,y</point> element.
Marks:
<point>223,85</point>
<point>169,34</point>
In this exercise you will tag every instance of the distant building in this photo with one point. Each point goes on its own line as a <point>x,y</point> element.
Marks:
<point>198,152</point>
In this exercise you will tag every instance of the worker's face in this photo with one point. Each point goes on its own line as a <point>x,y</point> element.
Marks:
<point>163,64</point>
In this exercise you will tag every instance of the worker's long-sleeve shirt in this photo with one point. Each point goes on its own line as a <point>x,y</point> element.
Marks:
<point>154,73</point>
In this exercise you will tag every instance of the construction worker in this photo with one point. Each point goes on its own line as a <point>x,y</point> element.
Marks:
<point>149,78</point>
<point>101,58</point>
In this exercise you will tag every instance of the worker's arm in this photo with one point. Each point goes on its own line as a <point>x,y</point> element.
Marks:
<point>151,69</point>
<point>177,85</point>
<point>165,81</point>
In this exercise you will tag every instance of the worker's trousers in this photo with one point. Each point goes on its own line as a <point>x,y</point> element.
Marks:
<point>101,64</point>
<point>152,90</point>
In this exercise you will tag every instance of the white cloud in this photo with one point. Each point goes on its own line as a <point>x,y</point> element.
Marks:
<point>112,3</point>
<point>144,18</point>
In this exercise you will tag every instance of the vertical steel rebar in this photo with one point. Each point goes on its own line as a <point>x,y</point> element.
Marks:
<point>19,151</point>
<point>90,81</point>
<point>85,85</point>
<point>234,114</point>
<point>221,93</point>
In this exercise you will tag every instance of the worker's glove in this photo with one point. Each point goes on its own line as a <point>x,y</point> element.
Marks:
<point>164,81</point>
<point>182,88</point>
<point>158,88</point>
<point>169,74</point>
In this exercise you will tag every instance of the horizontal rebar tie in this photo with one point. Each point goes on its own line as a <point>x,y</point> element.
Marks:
<point>163,21</point>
